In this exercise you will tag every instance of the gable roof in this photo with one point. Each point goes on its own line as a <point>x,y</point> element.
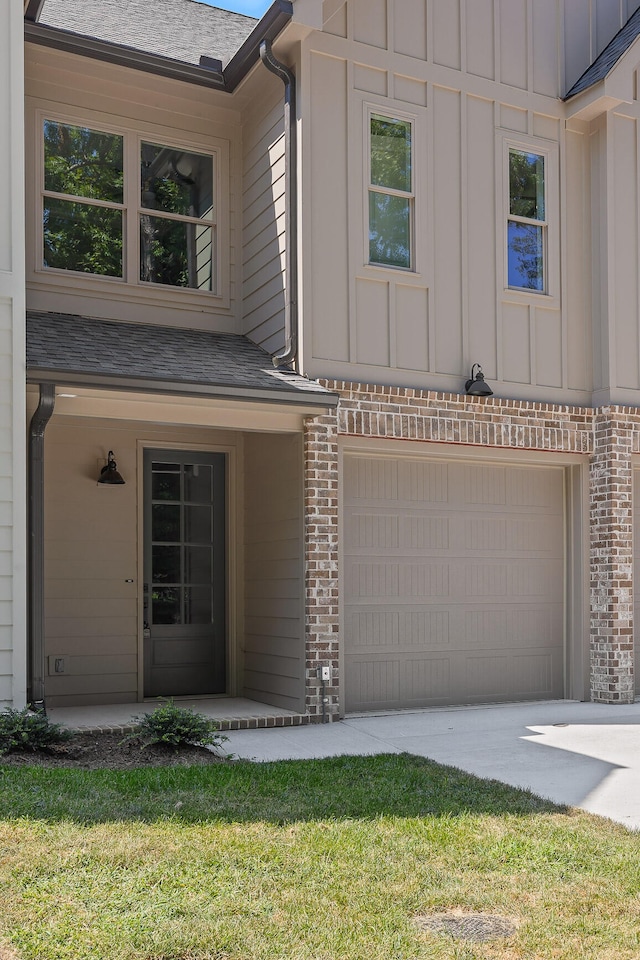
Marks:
<point>605,62</point>
<point>181,29</point>
<point>74,350</point>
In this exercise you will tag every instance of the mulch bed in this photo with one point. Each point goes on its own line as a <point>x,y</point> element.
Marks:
<point>110,751</point>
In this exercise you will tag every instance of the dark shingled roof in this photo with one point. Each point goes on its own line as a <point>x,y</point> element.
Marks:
<point>181,29</point>
<point>609,56</point>
<point>70,349</point>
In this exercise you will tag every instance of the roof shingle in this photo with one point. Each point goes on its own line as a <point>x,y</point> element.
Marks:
<point>70,345</point>
<point>181,29</point>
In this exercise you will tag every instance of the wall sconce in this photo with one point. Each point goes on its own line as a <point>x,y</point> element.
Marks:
<point>109,474</point>
<point>477,386</point>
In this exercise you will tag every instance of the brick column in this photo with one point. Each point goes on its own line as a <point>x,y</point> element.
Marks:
<point>321,563</point>
<point>611,508</point>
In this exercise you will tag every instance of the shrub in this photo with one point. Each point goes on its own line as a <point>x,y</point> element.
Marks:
<point>29,730</point>
<point>174,726</point>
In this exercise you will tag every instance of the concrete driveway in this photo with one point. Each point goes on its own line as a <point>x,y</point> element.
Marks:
<point>581,754</point>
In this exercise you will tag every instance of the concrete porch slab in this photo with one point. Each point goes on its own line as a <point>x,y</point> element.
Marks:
<point>232,713</point>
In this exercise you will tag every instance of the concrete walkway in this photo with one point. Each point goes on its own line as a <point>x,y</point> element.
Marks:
<point>581,754</point>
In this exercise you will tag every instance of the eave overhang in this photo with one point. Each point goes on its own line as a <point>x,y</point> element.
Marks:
<point>315,402</point>
<point>78,351</point>
<point>209,73</point>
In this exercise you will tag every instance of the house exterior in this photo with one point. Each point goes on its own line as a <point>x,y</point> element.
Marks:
<point>384,194</point>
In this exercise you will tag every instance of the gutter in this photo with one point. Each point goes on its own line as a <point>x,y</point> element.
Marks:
<point>290,393</point>
<point>36,658</point>
<point>290,353</point>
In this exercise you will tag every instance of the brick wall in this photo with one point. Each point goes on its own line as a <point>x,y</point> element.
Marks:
<point>608,437</point>
<point>321,564</point>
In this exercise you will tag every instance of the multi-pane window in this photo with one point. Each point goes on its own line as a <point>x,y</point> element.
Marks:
<point>158,227</point>
<point>526,222</point>
<point>83,209</point>
<point>391,194</point>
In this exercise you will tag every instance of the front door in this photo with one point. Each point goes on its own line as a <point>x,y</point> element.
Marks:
<point>184,573</point>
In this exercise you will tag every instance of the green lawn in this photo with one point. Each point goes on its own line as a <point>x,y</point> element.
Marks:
<point>303,860</point>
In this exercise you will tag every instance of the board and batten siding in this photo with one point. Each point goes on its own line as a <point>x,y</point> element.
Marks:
<point>474,78</point>
<point>274,643</point>
<point>82,90</point>
<point>13,649</point>
<point>263,216</point>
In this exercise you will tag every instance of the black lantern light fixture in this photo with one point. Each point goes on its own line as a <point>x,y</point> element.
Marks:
<point>109,474</point>
<point>477,386</point>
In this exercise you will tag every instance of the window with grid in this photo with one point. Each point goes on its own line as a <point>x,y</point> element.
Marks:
<point>527,225</point>
<point>149,220</point>
<point>391,192</point>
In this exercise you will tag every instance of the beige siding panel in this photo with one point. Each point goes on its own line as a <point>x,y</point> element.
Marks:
<point>12,636</point>
<point>370,80</point>
<point>263,237</point>
<point>513,43</point>
<point>453,583</point>
<point>577,35</point>
<point>114,630</point>
<point>512,118</point>
<point>372,306</point>
<point>548,324</point>
<point>480,38</point>
<point>516,346</point>
<point>481,234</point>
<point>447,230</point>
<point>329,208</point>
<point>410,28</point>
<point>625,257</point>
<point>446,33</point>
<point>412,327</point>
<point>335,21</point>
<point>262,187</point>
<point>273,649</point>
<point>609,17</point>
<point>410,91</point>
<point>545,47</point>
<point>577,306</point>
<point>546,127</point>
<point>370,22</point>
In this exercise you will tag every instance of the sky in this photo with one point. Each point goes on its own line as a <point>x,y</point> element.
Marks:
<point>252,8</point>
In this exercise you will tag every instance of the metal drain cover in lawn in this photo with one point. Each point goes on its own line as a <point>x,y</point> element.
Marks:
<point>477,927</point>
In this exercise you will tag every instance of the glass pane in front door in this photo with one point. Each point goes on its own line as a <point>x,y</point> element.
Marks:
<point>185,581</point>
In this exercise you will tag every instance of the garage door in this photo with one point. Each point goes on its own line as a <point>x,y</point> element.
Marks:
<point>453,582</point>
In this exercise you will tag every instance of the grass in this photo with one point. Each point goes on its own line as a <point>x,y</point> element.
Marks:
<point>303,860</point>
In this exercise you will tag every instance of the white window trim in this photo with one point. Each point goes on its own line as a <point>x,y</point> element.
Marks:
<point>548,149</point>
<point>389,111</point>
<point>130,284</point>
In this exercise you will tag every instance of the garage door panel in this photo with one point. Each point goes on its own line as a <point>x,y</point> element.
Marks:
<point>521,626</point>
<point>374,684</point>
<point>397,629</point>
<point>458,599</point>
<point>536,676</point>
<point>382,580</point>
